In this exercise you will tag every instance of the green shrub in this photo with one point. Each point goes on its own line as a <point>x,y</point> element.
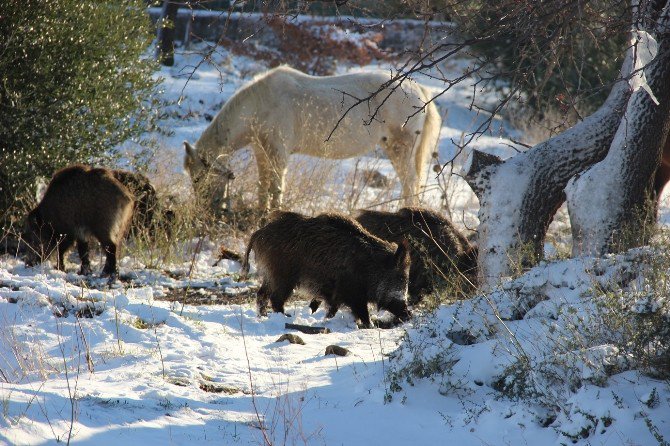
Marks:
<point>560,53</point>
<point>73,85</point>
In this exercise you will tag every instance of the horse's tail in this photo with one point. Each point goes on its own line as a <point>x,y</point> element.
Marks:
<point>429,138</point>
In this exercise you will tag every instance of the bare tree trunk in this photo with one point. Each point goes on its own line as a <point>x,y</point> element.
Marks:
<point>611,204</point>
<point>166,31</point>
<point>519,197</point>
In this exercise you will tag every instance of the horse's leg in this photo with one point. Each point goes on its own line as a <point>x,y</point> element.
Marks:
<point>263,186</point>
<point>271,172</point>
<point>398,147</point>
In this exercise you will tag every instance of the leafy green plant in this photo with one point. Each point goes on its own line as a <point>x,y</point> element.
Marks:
<point>74,84</point>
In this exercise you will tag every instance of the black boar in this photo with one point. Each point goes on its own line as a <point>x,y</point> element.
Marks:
<point>80,202</point>
<point>440,253</point>
<point>332,257</point>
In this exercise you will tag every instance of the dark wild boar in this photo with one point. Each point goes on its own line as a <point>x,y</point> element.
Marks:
<point>440,254</point>
<point>80,202</point>
<point>332,257</point>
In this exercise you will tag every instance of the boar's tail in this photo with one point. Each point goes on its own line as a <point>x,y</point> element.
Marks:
<point>245,261</point>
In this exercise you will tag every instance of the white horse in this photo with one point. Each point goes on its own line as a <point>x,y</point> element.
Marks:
<point>285,111</point>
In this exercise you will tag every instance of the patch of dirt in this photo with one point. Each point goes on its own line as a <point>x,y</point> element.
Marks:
<point>212,387</point>
<point>207,296</point>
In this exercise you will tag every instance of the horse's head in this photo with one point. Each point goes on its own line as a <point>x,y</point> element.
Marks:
<point>211,180</point>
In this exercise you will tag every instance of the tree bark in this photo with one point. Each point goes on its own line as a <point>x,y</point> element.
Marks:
<point>519,197</point>
<point>611,205</point>
<point>166,32</point>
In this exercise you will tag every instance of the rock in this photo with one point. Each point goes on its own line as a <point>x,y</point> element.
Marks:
<point>213,387</point>
<point>291,338</point>
<point>337,350</point>
<point>461,337</point>
<point>179,381</point>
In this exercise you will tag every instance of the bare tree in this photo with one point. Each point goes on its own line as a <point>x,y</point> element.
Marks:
<point>519,197</point>
<point>610,204</point>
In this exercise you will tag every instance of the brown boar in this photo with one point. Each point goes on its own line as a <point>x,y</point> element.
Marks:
<point>80,202</point>
<point>332,257</point>
<point>440,253</point>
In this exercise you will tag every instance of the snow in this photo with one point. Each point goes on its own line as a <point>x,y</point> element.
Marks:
<point>90,364</point>
<point>157,381</point>
<point>646,49</point>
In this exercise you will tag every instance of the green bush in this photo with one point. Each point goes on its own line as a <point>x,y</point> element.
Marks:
<point>560,53</point>
<point>73,84</point>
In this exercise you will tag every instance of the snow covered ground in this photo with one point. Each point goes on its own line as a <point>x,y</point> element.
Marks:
<point>166,374</point>
<point>100,366</point>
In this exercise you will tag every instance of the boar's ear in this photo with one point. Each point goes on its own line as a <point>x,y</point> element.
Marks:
<point>191,154</point>
<point>402,254</point>
<point>40,188</point>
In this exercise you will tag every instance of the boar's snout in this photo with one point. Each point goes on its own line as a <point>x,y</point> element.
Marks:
<point>405,314</point>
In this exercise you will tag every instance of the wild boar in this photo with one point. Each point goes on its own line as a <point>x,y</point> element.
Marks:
<point>80,202</point>
<point>333,257</point>
<point>440,253</point>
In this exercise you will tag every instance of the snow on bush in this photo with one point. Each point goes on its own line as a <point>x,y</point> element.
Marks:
<point>572,341</point>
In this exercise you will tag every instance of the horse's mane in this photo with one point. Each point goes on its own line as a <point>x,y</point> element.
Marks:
<point>254,90</point>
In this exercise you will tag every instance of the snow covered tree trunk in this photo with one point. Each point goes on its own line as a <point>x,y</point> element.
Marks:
<point>610,204</point>
<point>519,197</point>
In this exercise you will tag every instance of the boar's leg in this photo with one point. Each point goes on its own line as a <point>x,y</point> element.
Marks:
<point>359,308</point>
<point>262,298</point>
<point>277,297</point>
<point>63,246</point>
<point>314,304</point>
<point>110,268</point>
<point>332,307</point>
<point>355,299</point>
<point>82,249</point>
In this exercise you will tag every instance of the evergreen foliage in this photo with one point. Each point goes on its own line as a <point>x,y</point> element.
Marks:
<point>73,85</point>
